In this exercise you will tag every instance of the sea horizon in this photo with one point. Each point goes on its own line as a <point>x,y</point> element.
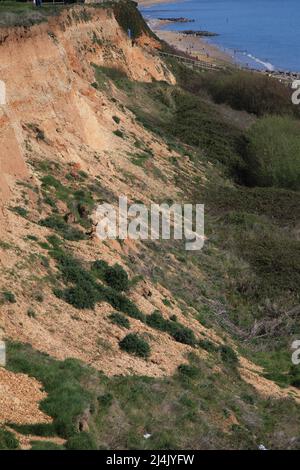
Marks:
<point>261,34</point>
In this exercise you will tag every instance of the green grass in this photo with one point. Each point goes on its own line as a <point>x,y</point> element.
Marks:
<point>273,153</point>
<point>188,400</point>
<point>7,440</point>
<point>66,398</point>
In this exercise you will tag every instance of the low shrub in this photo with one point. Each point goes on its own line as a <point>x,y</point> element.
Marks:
<point>119,133</point>
<point>120,320</point>
<point>228,355</point>
<point>20,211</point>
<point>79,297</point>
<point>207,345</point>
<point>116,119</point>
<point>189,371</point>
<point>123,304</point>
<point>157,321</point>
<point>7,440</point>
<point>115,276</point>
<point>57,222</point>
<point>134,344</point>
<point>31,313</point>
<point>179,332</point>
<point>8,297</point>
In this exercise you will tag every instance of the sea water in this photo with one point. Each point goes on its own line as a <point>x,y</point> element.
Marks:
<point>263,34</point>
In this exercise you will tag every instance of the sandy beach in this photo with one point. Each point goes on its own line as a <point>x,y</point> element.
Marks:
<point>194,46</point>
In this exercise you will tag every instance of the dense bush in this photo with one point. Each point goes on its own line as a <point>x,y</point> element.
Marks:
<point>134,344</point>
<point>273,153</point>
<point>115,276</point>
<point>179,332</point>
<point>86,292</point>
<point>78,296</point>
<point>251,92</point>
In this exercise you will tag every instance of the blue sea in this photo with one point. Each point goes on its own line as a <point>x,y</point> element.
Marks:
<point>263,34</point>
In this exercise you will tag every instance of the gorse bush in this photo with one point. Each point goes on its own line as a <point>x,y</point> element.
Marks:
<point>134,344</point>
<point>273,153</point>
<point>115,276</point>
<point>120,320</point>
<point>179,332</point>
<point>86,291</point>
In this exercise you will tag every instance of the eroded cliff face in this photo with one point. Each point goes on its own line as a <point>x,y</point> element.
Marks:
<point>47,71</point>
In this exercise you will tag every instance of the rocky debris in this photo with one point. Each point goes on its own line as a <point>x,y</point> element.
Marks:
<point>191,32</point>
<point>179,19</point>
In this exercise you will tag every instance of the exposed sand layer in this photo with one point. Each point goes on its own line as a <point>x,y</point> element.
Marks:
<point>19,399</point>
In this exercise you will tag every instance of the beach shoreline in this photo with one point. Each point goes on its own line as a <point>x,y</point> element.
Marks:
<point>193,45</point>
